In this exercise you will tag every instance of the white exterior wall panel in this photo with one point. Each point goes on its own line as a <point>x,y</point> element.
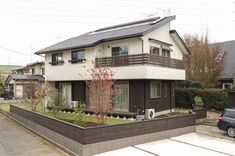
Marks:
<point>76,71</point>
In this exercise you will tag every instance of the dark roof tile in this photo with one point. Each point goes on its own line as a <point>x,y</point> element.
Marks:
<point>132,29</point>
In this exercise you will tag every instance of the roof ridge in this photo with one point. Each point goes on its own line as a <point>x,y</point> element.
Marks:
<point>128,24</point>
<point>225,41</point>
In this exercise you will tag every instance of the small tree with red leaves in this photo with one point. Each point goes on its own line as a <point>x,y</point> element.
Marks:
<point>100,91</point>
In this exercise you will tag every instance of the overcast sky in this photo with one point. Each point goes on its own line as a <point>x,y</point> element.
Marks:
<point>30,25</point>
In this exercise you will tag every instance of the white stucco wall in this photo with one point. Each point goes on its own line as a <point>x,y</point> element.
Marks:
<point>134,46</point>
<point>148,72</point>
<point>76,71</point>
<point>18,91</point>
<point>162,34</point>
<point>67,70</point>
<point>37,69</point>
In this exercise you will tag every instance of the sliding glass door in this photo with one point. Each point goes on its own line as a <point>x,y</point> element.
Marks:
<point>66,90</point>
<point>121,99</point>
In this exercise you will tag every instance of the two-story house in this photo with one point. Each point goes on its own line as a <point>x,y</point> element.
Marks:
<point>18,83</point>
<point>227,77</point>
<point>146,55</point>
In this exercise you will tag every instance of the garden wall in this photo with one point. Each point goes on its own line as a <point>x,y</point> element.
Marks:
<point>93,140</point>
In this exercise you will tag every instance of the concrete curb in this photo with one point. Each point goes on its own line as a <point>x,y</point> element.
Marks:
<point>67,151</point>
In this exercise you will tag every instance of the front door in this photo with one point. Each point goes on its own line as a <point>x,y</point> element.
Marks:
<point>66,90</point>
<point>121,99</point>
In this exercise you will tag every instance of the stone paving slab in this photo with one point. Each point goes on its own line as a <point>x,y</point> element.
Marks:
<point>131,151</point>
<point>207,142</point>
<point>192,144</point>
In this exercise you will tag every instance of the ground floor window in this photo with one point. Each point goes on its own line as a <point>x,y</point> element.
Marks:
<point>155,89</point>
<point>66,90</point>
<point>121,98</point>
<point>227,86</point>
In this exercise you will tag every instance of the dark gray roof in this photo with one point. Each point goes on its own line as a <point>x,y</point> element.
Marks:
<point>28,66</point>
<point>25,77</point>
<point>127,30</point>
<point>229,59</point>
<point>35,63</point>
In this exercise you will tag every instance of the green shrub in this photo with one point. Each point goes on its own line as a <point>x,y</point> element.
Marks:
<point>198,103</point>
<point>190,84</point>
<point>212,98</point>
<point>79,117</point>
<point>56,102</point>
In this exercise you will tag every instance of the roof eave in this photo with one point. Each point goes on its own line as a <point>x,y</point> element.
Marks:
<point>179,41</point>
<point>90,45</point>
<point>159,24</point>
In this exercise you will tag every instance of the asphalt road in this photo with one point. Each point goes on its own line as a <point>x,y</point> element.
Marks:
<point>15,140</point>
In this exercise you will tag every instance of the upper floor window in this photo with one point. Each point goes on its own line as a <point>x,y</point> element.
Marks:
<point>155,89</point>
<point>43,71</point>
<point>120,51</point>
<point>154,50</point>
<point>166,53</point>
<point>57,59</point>
<point>33,71</point>
<point>78,56</point>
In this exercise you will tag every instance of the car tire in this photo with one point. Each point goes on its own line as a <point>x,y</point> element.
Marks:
<point>231,132</point>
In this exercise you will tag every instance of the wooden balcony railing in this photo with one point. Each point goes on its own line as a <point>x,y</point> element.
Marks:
<point>140,59</point>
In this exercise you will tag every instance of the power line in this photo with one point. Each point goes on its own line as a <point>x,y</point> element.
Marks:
<point>17,52</point>
<point>126,6</point>
<point>104,4</point>
<point>56,15</point>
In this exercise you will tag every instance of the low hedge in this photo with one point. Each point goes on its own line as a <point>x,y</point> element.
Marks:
<point>212,98</point>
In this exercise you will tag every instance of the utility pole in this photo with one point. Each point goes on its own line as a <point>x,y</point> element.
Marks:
<point>31,51</point>
<point>162,12</point>
<point>58,39</point>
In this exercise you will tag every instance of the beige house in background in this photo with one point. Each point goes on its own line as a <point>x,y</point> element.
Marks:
<point>19,82</point>
<point>146,56</point>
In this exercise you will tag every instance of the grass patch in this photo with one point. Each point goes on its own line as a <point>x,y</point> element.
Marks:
<point>63,116</point>
<point>5,107</point>
<point>90,118</point>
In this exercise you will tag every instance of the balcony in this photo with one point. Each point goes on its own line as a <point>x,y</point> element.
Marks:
<point>140,59</point>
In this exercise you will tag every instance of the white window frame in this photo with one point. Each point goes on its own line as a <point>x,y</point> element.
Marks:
<point>229,84</point>
<point>155,89</point>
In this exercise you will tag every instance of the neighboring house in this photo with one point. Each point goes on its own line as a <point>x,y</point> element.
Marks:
<point>19,83</point>
<point>5,70</point>
<point>146,55</point>
<point>227,78</point>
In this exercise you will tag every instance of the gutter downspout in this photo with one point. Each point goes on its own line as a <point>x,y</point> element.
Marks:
<point>142,41</point>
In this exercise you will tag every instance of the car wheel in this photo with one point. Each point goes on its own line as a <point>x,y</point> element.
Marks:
<point>231,131</point>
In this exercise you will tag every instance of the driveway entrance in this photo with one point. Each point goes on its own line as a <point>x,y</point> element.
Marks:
<point>18,141</point>
<point>192,144</point>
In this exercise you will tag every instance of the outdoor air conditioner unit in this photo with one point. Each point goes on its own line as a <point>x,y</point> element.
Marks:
<point>73,104</point>
<point>149,114</point>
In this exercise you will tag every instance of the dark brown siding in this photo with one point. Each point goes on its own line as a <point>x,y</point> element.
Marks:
<point>140,97</point>
<point>136,95</point>
<point>79,91</point>
<point>172,96</point>
<point>231,99</point>
<point>159,104</point>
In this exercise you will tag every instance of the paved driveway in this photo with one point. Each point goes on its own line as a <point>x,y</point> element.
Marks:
<point>18,141</point>
<point>213,131</point>
<point>193,144</point>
